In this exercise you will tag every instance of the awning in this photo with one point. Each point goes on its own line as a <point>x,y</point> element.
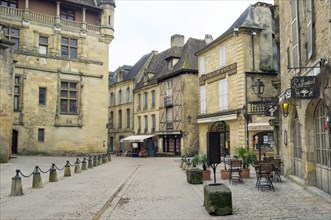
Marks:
<point>218,118</point>
<point>136,138</point>
<point>260,127</point>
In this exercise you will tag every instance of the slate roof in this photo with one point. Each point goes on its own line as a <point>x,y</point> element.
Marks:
<point>188,60</point>
<point>92,3</point>
<point>113,76</point>
<point>245,20</point>
<point>138,65</point>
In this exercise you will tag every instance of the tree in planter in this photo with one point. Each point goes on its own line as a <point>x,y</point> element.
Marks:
<point>195,160</point>
<point>248,157</point>
<point>205,165</point>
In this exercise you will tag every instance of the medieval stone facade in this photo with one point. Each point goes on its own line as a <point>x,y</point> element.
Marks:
<point>231,70</point>
<point>305,48</point>
<point>60,80</point>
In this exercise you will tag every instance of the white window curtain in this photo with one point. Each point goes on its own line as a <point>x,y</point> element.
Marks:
<point>223,94</point>
<point>203,99</point>
<point>222,56</point>
<point>202,65</point>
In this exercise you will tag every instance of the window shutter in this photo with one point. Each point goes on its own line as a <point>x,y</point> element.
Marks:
<point>202,65</point>
<point>222,56</point>
<point>295,34</point>
<point>203,99</point>
<point>309,19</point>
<point>223,94</point>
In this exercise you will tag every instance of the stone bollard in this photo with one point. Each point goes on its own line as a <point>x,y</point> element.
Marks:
<point>103,159</point>
<point>77,166</point>
<point>36,181</point>
<point>16,185</point>
<point>109,157</point>
<point>194,175</point>
<point>52,174</point>
<point>84,164</point>
<point>95,161</point>
<point>217,199</point>
<point>67,170</point>
<point>100,160</point>
<point>90,163</point>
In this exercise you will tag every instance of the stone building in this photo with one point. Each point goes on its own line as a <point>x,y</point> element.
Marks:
<point>6,97</point>
<point>178,82</point>
<point>235,84</point>
<point>305,48</point>
<point>60,79</point>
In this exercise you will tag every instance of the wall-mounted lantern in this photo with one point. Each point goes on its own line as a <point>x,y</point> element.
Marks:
<point>285,108</point>
<point>258,87</point>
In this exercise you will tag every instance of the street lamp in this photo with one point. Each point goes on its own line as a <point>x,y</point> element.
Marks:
<point>258,87</point>
<point>285,108</point>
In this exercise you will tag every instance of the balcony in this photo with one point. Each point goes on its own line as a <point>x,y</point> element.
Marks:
<point>169,125</point>
<point>145,130</point>
<point>152,130</point>
<point>259,107</point>
<point>168,101</point>
<point>46,19</point>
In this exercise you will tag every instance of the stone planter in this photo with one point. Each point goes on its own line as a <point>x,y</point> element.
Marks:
<point>245,173</point>
<point>225,175</point>
<point>217,199</point>
<point>206,174</point>
<point>194,176</point>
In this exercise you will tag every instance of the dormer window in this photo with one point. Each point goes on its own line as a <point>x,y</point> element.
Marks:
<point>10,3</point>
<point>172,61</point>
<point>67,13</point>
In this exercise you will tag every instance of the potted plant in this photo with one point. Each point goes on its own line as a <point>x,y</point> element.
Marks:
<point>205,171</point>
<point>225,175</point>
<point>195,160</point>
<point>248,157</point>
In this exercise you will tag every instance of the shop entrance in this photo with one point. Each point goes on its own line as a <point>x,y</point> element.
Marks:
<point>223,130</point>
<point>14,142</point>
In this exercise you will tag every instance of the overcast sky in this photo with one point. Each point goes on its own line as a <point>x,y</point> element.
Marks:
<point>143,26</point>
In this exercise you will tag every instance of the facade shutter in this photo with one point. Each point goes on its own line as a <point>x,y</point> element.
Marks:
<point>222,56</point>
<point>295,34</point>
<point>223,94</point>
<point>203,99</point>
<point>202,65</point>
<point>309,19</point>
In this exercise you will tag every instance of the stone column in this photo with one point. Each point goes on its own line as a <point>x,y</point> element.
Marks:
<point>58,18</point>
<point>83,27</point>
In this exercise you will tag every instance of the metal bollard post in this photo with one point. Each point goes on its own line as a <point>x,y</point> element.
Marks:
<point>36,181</point>
<point>52,174</point>
<point>16,185</point>
<point>95,161</point>
<point>67,171</point>
<point>84,164</point>
<point>90,163</point>
<point>77,166</point>
<point>100,160</point>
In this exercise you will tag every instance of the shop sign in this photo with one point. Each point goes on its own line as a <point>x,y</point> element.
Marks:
<point>304,87</point>
<point>218,74</point>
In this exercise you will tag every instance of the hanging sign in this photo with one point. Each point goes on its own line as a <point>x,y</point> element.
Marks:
<point>304,87</point>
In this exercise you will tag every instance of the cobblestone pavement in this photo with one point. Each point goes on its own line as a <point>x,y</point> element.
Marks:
<point>144,188</point>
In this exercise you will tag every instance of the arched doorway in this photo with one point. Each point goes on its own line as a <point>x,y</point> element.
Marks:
<point>14,142</point>
<point>222,128</point>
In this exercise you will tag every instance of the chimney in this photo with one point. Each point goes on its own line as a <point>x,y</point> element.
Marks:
<point>208,38</point>
<point>177,40</point>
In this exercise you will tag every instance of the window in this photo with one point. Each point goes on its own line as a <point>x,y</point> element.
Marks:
<point>169,88</point>
<point>68,48</point>
<point>42,96</point>
<point>139,102</point>
<point>68,14</point>
<point>222,56</point>
<point>139,124</point>
<point>128,95</point>
<point>68,97</point>
<point>309,21</point>
<point>43,45</point>
<point>111,120</point>
<point>128,121</point>
<point>12,34</point>
<point>146,123</point>
<point>169,124</point>
<point>223,94</point>
<point>153,99</point>
<point>17,93</point>
<point>288,57</point>
<point>41,135</point>
<point>120,97</point>
<point>297,138</point>
<point>202,66</point>
<point>295,33</point>
<point>10,3</point>
<point>322,137</point>
<point>120,119</point>
<point>153,122</point>
<point>203,99</point>
<point>112,99</point>
<point>145,101</point>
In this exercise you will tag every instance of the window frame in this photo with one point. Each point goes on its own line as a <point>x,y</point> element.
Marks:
<point>223,94</point>
<point>65,13</point>
<point>70,47</point>
<point>9,35</point>
<point>43,45</point>
<point>41,135</point>
<point>69,98</point>
<point>9,3</point>
<point>145,100</point>
<point>295,34</point>
<point>128,118</point>
<point>17,92</point>
<point>42,101</point>
<point>153,105</point>
<point>120,118</point>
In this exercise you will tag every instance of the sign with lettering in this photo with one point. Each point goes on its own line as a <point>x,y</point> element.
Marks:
<point>304,87</point>
<point>218,74</point>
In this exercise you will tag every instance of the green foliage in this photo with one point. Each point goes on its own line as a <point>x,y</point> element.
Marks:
<point>267,68</point>
<point>195,160</point>
<point>248,157</point>
<point>200,159</point>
